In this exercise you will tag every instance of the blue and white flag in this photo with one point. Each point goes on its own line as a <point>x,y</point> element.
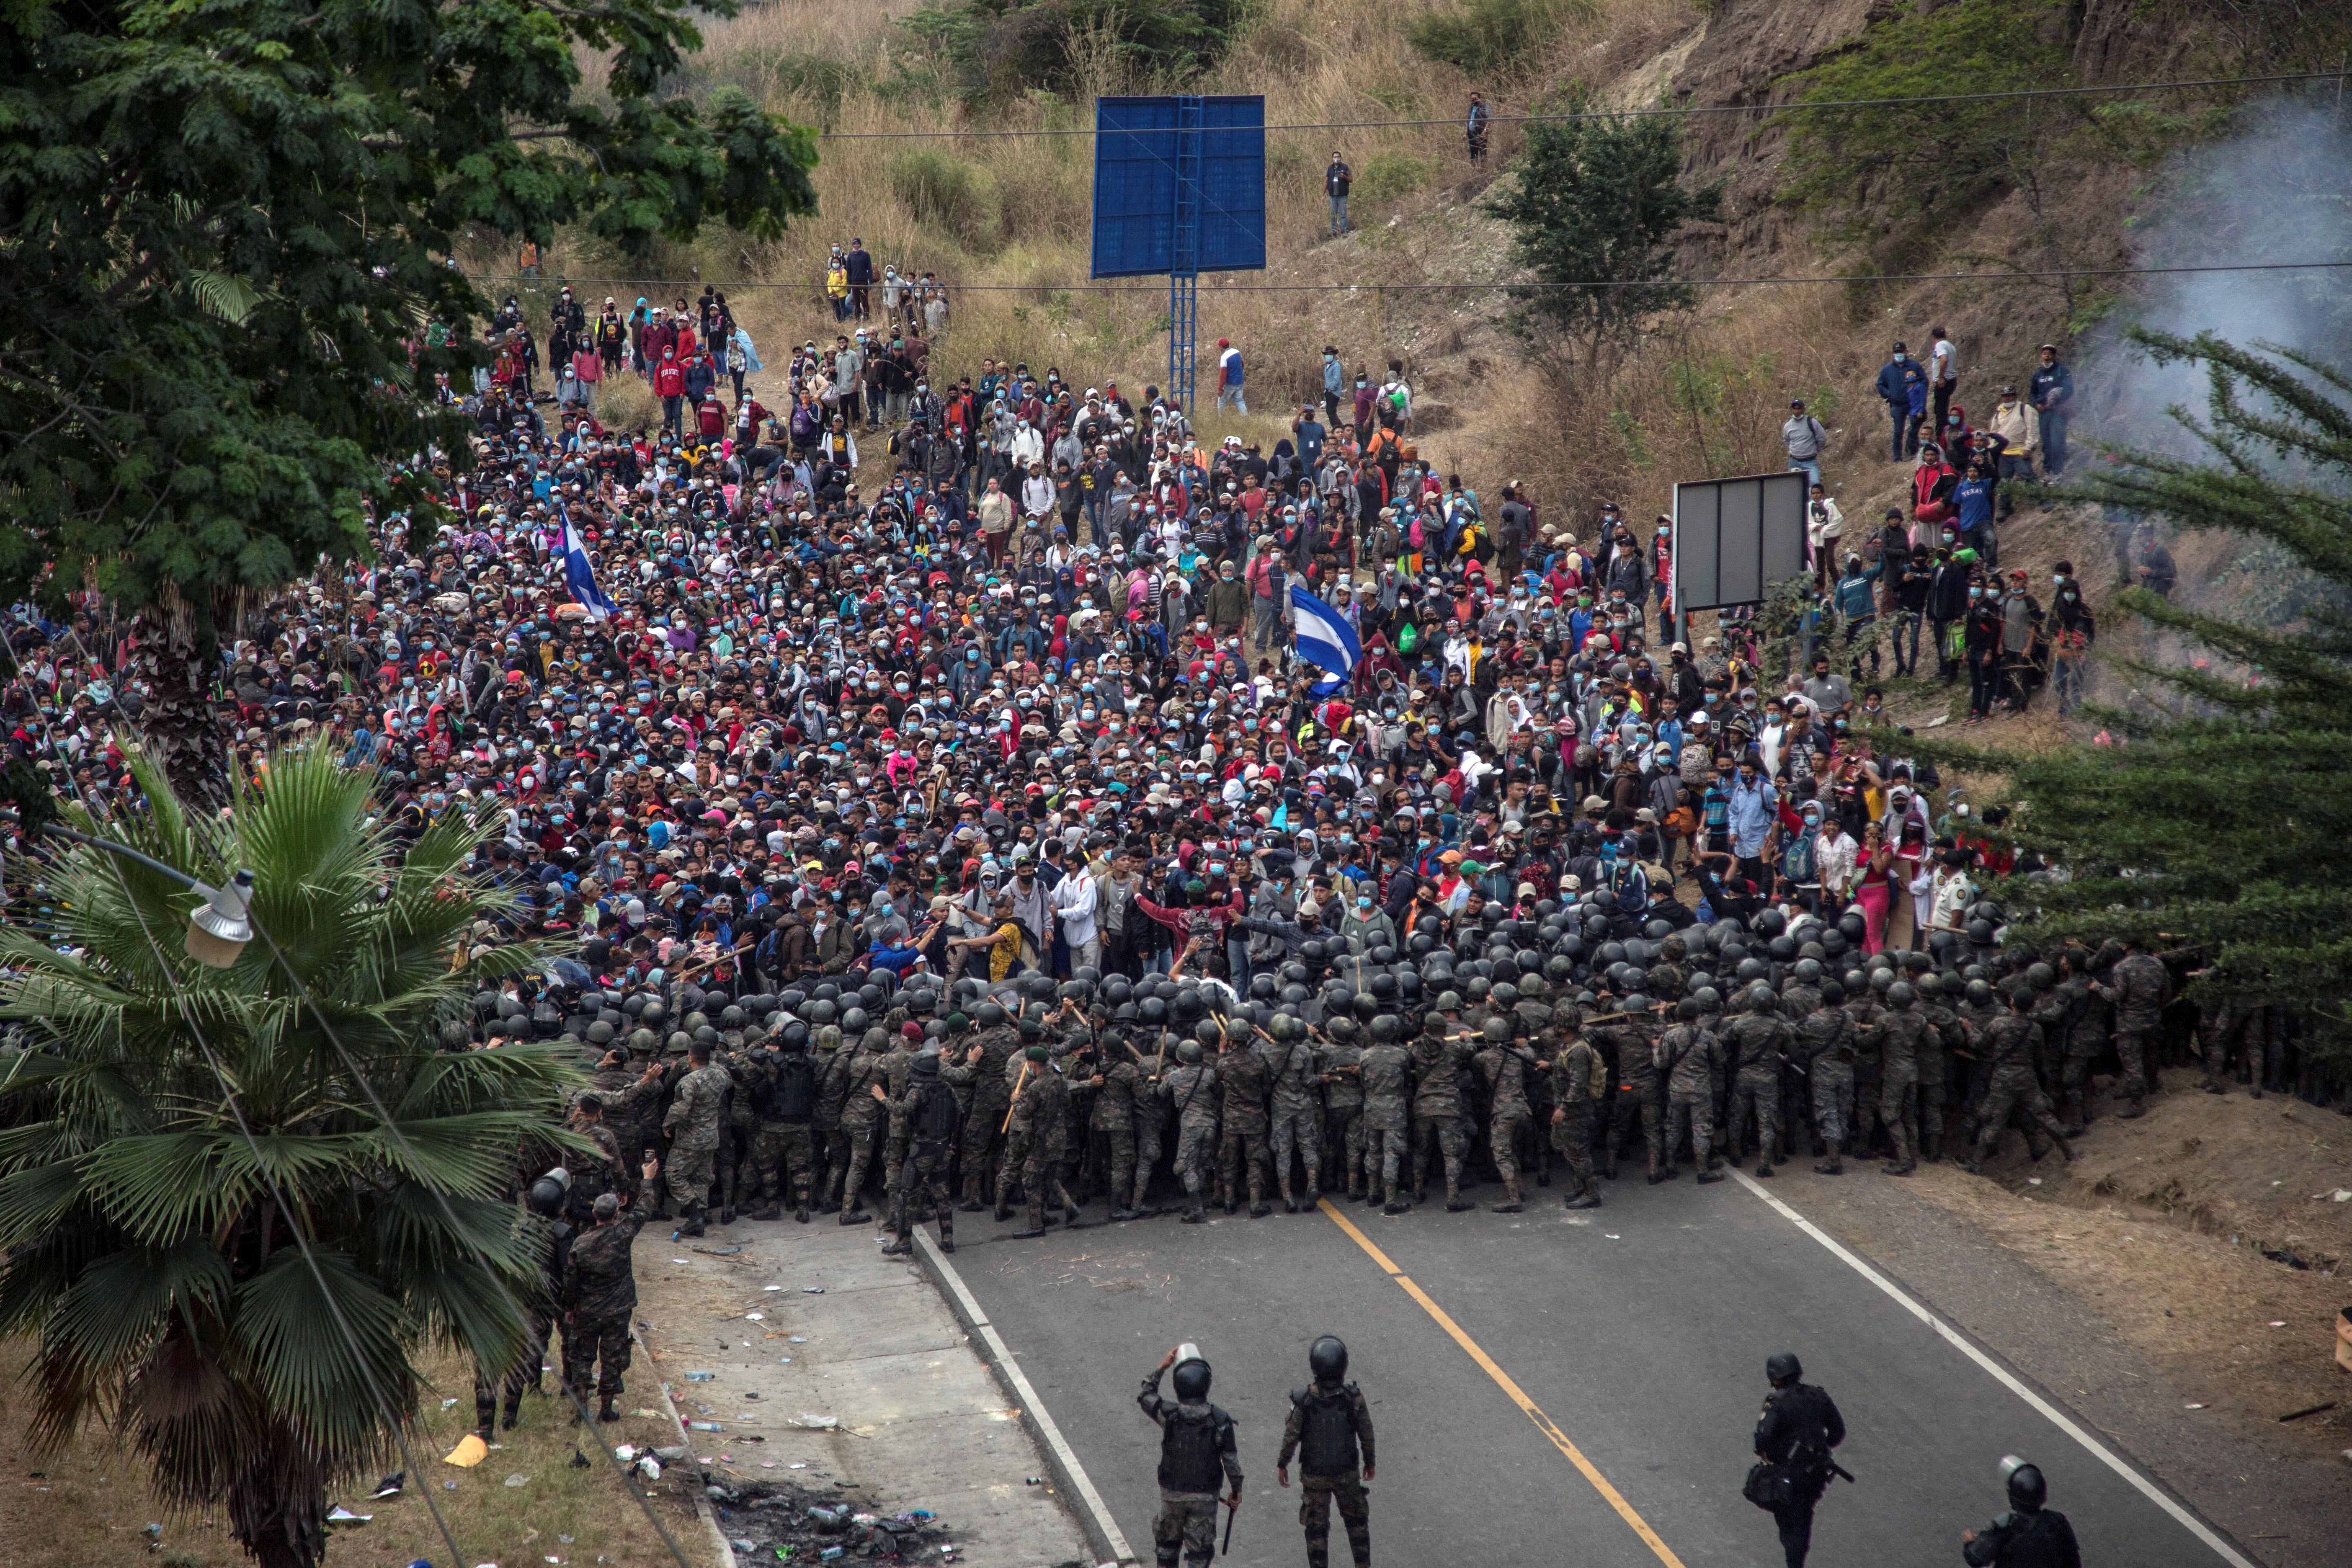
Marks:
<point>1325,639</point>
<point>580,574</point>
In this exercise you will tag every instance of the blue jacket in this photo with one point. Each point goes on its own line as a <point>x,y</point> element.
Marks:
<point>1855,599</point>
<point>1974,497</point>
<point>1895,381</point>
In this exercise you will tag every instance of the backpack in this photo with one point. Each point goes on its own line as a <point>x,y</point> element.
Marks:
<point>1802,864</point>
<point>940,1116</point>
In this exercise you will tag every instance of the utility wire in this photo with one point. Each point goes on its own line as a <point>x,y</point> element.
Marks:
<point>1531,287</point>
<point>1457,119</point>
<point>291,1213</point>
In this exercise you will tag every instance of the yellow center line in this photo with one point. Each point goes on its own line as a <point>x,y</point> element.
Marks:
<point>1517,1395</point>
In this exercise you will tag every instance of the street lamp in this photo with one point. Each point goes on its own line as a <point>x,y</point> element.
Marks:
<point>219,928</point>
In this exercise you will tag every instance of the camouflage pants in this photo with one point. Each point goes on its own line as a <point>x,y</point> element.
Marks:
<point>2014,1089</point>
<point>1241,1146</point>
<point>1450,1136</point>
<point>1691,1110</point>
<point>1196,1157</point>
<point>1041,1177</point>
<point>1186,1527</point>
<point>1637,1100</point>
<point>982,1137</point>
<point>861,1159</point>
<point>1293,1128</point>
<point>689,1172</point>
<point>1505,1133</point>
<point>782,1160</point>
<point>1146,1156</point>
<point>1898,1107</point>
<point>1832,1100</point>
<point>1865,1119</point>
<point>1755,1091</point>
<point>2131,1048</point>
<point>1385,1154</point>
<point>597,1346</point>
<point>1316,1494</point>
<point>1343,1138</point>
<point>1572,1137</point>
<point>923,1179</point>
<point>525,1372</point>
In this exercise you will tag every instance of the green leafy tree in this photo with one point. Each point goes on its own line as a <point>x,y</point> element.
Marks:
<point>2219,820</point>
<point>1599,201</point>
<point>225,235</point>
<point>150,1243</point>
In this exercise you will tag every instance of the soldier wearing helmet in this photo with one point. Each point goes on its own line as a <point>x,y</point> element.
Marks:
<point>1798,1427</point>
<point>1196,1453</point>
<point>1329,1427</point>
<point>2031,1534</point>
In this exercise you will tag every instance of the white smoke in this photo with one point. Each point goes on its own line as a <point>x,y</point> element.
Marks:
<point>2278,189</point>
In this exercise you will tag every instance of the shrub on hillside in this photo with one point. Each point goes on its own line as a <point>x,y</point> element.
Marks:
<point>948,194</point>
<point>1386,176</point>
<point>997,49</point>
<point>1493,38</point>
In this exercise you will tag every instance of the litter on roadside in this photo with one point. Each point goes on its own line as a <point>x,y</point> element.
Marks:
<point>809,1421</point>
<point>339,1514</point>
<point>470,1451</point>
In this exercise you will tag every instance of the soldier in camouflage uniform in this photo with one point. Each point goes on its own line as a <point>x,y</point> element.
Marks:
<point>2010,1044</point>
<point>1638,1096</point>
<point>1296,1068</point>
<point>928,1112</point>
<point>862,1119</point>
<point>1438,1111</point>
<point>784,1092</point>
<point>1580,1081</point>
<point>982,1144</point>
<point>2086,1038</point>
<point>835,1059</point>
<point>1191,1090</point>
<point>2140,990</point>
<point>692,1122</point>
<point>1694,1061</point>
<point>1118,1079</point>
<point>1329,1429</point>
<point>1944,1036</point>
<point>1244,1076</point>
<point>635,1119</point>
<point>1866,1009</point>
<point>598,1296</point>
<point>1899,1033</point>
<point>1343,1104</point>
<point>1504,1064</point>
<point>1755,1041</point>
<point>1385,1071</point>
<point>1041,1115</point>
<point>1015,1131</point>
<point>1825,1041</point>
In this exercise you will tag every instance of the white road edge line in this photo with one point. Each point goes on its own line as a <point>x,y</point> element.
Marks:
<point>1002,1355</point>
<point>2008,1380</point>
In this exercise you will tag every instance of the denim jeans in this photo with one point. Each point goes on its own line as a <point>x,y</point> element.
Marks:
<point>1901,414</point>
<point>1233,394</point>
<point>1984,681</point>
<point>2068,675</point>
<point>1906,631</point>
<point>2053,444</point>
<point>1237,963</point>
<point>1339,215</point>
<point>1809,467</point>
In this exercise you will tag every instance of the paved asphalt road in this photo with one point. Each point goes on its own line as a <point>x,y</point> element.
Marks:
<point>1639,1330</point>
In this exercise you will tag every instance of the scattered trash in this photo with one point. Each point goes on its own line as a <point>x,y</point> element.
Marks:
<point>677,1259</point>
<point>2032,1181</point>
<point>646,1414</point>
<point>339,1514</point>
<point>565,1539</point>
<point>799,1465</point>
<point>154,1535</point>
<point>449,1486</point>
<point>808,1421</point>
<point>755,1317</point>
<point>830,1554</point>
<point>921,1513</point>
<point>705,1426</point>
<point>579,1459</point>
<point>470,1451</point>
<point>771,1287</point>
<point>1612,1235</point>
<point>811,1289</point>
<point>517,1479</point>
<point>700,1376</point>
<point>2284,1255</point>
<point>795,1339</point>
<point>2195,1408</point>
<point>745,1547</point>
<point>2341,1195</point>
<point>2308,1410</point>
<point>719,1251</point>
<point>390,1486</point>
<point>649,1468</point>
<point>671,1455</point>
<point>767,1464</point>
<point>1032,1481</point>
<point>784,1359</point>
<point>2278,1322</point>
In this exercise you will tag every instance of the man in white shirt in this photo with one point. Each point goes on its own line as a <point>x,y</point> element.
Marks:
<point>1943,372</point>
<point>1229,376</point>
<point>1075,899</point>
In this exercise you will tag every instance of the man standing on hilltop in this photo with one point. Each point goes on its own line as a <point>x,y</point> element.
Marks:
<point>859,264</point>
<point>1335,180</point>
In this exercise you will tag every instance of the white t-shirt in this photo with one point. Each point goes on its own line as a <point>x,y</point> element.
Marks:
<point>1943,361</point>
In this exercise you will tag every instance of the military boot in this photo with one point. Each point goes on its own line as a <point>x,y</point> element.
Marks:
<point>1586,1196</point>
<point>694,1219</point>
<point>771,1212</point>
<point>1834,1165</point>
<point>1512,1202</point>
<point>1289,1202</point>
<point>1455,1202</point>
<point>1903,1164</point>
<point>610,1412</point>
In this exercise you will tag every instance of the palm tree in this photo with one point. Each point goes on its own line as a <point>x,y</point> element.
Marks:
<point>179,1134</point>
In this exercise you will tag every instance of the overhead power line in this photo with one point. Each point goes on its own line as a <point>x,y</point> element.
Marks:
<point>1160,291</point>
<point>1640,113</point>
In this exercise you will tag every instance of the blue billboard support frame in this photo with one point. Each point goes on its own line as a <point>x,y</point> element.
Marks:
<point>1180,189</point>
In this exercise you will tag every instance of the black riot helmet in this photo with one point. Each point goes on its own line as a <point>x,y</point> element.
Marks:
<point>1327,1358</point>
<point>547,1196</point>
<point>1783,1367</point>
<point>1192,1374</point>
<point>2027,1488</point>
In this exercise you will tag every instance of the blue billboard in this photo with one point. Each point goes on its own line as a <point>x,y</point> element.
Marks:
<point>1180,185</point>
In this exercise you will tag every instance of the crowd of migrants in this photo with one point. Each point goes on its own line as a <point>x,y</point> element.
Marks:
<point>951,825</point>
